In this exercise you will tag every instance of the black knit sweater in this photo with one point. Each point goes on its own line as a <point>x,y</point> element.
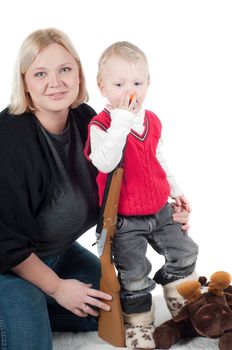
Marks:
<point>28,184</point>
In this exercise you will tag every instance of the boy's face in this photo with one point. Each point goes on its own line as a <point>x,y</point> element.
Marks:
<point>120,77</point>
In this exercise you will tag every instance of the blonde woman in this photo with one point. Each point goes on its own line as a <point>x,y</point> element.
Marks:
<point>48,199</point>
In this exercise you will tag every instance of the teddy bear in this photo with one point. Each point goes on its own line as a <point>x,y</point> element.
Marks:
<point>206,314</point>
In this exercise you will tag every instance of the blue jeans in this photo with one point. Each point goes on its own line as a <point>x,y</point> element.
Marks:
<point>129,250</point>
<point>28,316</point>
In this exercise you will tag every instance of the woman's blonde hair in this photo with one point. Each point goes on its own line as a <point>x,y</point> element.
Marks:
<point>122,49</point>
<point>30,48</point>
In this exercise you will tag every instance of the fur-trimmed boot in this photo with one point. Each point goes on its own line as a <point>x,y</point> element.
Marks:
<point>173,299</point>
<point>139,329</point>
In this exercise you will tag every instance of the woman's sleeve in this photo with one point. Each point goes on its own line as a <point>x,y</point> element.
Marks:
<point>17,228</point>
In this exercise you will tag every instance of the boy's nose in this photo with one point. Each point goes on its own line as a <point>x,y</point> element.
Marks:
<point>129,88</point>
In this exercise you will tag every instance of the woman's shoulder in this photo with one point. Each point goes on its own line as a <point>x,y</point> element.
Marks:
<point>84,113</point>
<point>82,116</point>
<point>8,120</point>
<point>15,129</point>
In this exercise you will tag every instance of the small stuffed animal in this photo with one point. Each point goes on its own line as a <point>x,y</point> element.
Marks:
<point>207,315</point>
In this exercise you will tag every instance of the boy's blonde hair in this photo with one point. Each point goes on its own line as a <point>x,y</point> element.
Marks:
<point>122,49</point>
<point>30,48</point>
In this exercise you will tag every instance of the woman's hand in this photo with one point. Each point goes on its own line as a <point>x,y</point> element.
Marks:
<point>182,202</point>
<point>79,297</point>
<point>181,214</point>
<point>73,295</point>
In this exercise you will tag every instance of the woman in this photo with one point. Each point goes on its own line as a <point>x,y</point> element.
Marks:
<point>48,198</point>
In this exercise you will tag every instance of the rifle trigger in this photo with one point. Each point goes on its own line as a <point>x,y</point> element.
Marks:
<point>101,241</point>
<point>98,237</point>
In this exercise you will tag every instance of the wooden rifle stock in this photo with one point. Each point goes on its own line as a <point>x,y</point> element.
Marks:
<point>110,325</point>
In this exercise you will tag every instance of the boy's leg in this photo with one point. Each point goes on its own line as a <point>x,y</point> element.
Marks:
<point>78,263</point>
<point>180,253</point>
<point>24,321</point>
<point>140,329</point>
<point>129,251</point>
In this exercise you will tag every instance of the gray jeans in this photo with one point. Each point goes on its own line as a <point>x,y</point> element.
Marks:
<point>129,252</point>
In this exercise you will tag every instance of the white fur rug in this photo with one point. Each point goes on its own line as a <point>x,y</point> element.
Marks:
<point>91,341</point>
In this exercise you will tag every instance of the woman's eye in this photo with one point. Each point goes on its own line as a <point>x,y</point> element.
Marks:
<point>39,74</point>
<point>65,69</point>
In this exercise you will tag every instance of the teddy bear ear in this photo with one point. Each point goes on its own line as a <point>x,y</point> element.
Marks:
<point>190,290</point>
<point>222,278</point>
<point>219,281</point>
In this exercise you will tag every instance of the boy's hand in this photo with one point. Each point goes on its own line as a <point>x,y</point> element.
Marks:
<point>129,102</point>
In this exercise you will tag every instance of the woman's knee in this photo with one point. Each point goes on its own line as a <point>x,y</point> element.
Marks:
<point>81,264</point>
<point>23,314</point>
<point>16,293</point>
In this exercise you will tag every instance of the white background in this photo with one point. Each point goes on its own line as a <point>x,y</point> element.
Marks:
<point>188,46</point>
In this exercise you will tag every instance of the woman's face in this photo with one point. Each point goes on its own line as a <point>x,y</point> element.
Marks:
<point>53,80</point>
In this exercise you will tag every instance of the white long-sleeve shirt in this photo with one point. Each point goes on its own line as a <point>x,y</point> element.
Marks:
<point>107,146</point>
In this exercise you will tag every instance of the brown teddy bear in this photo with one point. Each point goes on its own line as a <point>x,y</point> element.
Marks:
<point>206,314</point>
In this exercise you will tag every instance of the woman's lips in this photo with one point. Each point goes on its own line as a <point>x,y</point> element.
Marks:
<point>56,95</point>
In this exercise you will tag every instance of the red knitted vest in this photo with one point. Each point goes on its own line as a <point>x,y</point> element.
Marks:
<point>145,188</point>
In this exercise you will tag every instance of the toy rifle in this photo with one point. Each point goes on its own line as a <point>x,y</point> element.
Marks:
<point>110,324</point>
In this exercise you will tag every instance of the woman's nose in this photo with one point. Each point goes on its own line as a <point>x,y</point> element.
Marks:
<point>54,80</point>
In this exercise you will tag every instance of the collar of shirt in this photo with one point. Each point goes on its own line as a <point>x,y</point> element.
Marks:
<point>138,123</point>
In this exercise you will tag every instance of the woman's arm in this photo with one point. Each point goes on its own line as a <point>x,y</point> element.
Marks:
<point>72,294</point>
<point>181,215</point>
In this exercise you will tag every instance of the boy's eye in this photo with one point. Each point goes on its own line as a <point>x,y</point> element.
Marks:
<point>137,83</point>
<point>118,84</point>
